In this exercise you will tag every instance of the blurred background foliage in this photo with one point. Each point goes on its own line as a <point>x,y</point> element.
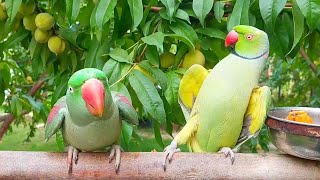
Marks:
<point>141,45</point>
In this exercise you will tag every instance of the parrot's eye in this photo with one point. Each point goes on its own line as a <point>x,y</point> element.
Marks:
<point>249,36</point>
<point>71,89</point>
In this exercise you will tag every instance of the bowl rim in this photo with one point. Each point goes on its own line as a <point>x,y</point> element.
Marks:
<point>288,121</point>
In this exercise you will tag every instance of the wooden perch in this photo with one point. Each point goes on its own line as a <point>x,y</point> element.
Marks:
<point>42,165</point>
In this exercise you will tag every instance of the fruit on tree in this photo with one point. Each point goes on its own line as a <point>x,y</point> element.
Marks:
<point>167,59</point>
<point>28,8</point>
<point>193,57</point>
<point>56,45</point>
<point>44,21</point>
<point>29,22</point>
<point>41,36</point>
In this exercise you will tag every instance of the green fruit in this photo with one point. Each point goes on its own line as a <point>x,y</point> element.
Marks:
<point>166,59</point>
<point>28,22</point>
<point>56,45</point>
<point>41,36</point>
<point>28,8</point>
<point>3,13</point>
<point>193,57</point>
<point>44,21</point>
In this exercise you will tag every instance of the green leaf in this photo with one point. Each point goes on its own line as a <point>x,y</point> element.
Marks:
<point>239,14</point>
<point>14,39</point>
<point>270,10</point>
<point>152,55</point>
<point>120,55</point>
<point>70,34</point>
<point>90,60</point>
<point>126,133</point>
<point>35,106</point>
<point>12,7</point>
<point>218,10</point>
<point>156,73</point>
<point>136,9</point>
<point>116,73</point>
<point>59,140</point>
<point>2,95</point>
<point>148,95</point>
<point>298,24</point>
<point>73,9</point>
<point>157,133</point>
<point>170,7</point>
<point>201,8</point>
<point>311,10</point>
<point>109,67</point>
<point>182,29</point>
<point>60,90</point>
<point>181,14</point>
<point>171,93</point>
<point>212,32</point>
<point>16,106</point>
<point>155,39</point>
<point>5,74</point>
<point>104,12</point>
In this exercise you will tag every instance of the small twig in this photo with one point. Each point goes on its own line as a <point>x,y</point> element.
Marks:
<point>145,47</point>
<point>310,62</point>
<point>123,75</point>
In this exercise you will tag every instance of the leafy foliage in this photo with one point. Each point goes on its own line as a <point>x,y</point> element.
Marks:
<point>126,38</point>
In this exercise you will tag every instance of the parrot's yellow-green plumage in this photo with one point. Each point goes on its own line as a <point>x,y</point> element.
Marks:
<point>229,108</point>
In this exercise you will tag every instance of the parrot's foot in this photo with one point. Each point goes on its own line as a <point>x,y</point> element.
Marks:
<point>169,151</point>
<point>115,152</point>
<point>228,152</point>
<point>72,157</point>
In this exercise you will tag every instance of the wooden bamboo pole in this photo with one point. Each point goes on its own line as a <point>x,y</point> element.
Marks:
<point>42,165</point>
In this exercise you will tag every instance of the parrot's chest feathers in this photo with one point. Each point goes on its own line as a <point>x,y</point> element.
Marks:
<point>92,136</point>
<point>223,100</point>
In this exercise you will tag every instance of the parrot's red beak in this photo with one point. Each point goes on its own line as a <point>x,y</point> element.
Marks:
<point>93,94</point>
<point>231,38</point>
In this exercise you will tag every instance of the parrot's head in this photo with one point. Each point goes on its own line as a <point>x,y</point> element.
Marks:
<point>248,42</point>
<point>88,94</point>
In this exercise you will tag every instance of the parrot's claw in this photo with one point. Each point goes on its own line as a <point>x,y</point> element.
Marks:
<point>169,152</point>
<point>72,158</point>
<point>115,152</point>
<point>228,152</point>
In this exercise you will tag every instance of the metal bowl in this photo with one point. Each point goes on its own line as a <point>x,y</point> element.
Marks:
<point>295,138</point>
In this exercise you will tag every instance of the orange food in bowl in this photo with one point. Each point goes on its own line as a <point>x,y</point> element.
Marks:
<point>299,116</point>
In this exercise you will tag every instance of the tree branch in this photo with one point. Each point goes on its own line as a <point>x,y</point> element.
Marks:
<point>9,118</point>
<point>310,62</point>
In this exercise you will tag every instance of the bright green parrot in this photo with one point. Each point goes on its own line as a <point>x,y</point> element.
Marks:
<point>90,116</point>
<point>225,107</point>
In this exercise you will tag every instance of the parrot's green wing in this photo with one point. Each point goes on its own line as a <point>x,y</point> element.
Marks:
<point>256,114</point>
<point>190,85</point>
<point>126,110</point>
<point>55,117</point>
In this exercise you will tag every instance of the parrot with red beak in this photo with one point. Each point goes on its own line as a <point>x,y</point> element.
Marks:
<point>225,107</point>
<point>90,116</point>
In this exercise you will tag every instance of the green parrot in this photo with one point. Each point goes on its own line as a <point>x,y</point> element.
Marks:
<point>90,116</point>
<point>225,107</point>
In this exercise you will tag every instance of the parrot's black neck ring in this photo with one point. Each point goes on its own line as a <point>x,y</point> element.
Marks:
<point>236,54</point>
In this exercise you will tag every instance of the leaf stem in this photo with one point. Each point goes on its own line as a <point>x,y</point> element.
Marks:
<point>134,65</point>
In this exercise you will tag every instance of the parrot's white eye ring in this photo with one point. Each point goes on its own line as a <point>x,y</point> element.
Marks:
<point>249,36</point>
<point>71,89</point>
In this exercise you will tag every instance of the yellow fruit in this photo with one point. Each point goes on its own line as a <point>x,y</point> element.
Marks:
<point>41,36</point>
<point>29,79</point>
<point>145,72</point>
<point>28,22</point>
<point>56,45</point>
<point>28,8</point>
<point>166,59</point>
<point>299,116</point>
<point>44,21</point>
<point>3,13</point>
<point>193,57</point>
